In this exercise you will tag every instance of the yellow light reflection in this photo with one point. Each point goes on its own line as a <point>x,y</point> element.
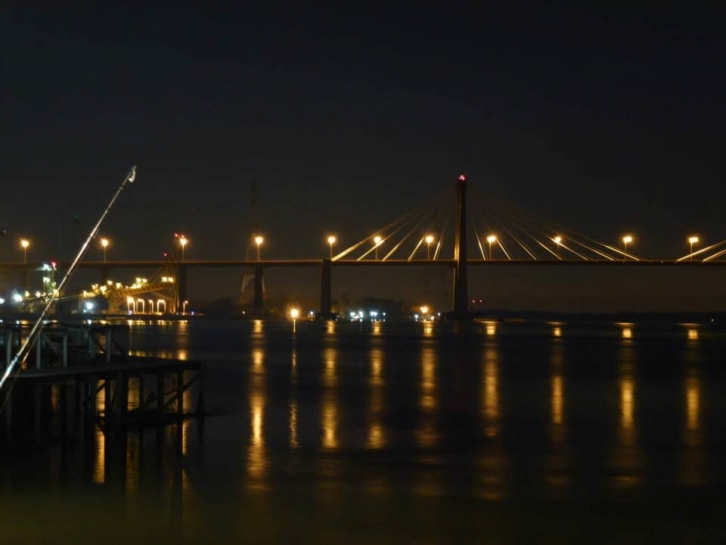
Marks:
<point>491,392</point>
<point>293,424</point>
<point>693,460</point>
<point>693,403</point>
<point>376,328</point>
<point>693,334</point>
<point>258,327</point>
<point>557,331</point>
<point>330,327</point>
<point>99,464</point>
<point>256,458</point>
<point>428,329</point>
<point>628,462</point>
<point>330,400</point>
<point>258,359</point>
<point>627,333</point>
<point>376,437</point>
<point>627,404</point>
<point>491,328</point>
<point>558,400</point>
<point>427,434</point>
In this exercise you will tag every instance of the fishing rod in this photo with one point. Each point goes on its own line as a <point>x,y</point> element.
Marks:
<point>24,351</point>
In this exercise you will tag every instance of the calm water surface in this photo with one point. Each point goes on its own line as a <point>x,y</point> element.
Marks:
<point>403,433</point>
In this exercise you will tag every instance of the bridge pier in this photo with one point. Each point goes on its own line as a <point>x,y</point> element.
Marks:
<point>326,288</point>
<point>182,287</point>
<point>259,289</point>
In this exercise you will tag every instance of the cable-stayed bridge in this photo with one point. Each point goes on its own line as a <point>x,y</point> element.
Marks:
<point>473,229</point>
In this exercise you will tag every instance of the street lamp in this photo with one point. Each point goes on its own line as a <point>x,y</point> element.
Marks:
<point>184,307</point>
<point>331,241</point>
<point>429,239</point>
<point>558,241</point>
<point>692,240</point>
<point>491,239</point>
<point>183,241</point>
<point>627,239</point>
<point>259,240</point>
<point>377,239</point>
<point>104,245</point>
<point>25,243</point>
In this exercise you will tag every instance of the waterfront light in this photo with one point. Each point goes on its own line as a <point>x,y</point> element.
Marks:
<point>104,244</point>
<point>331,241</point>
<point>692,240</point>
<point>183,241</point>
<point>258,241</point>
<point>429,239</point>
<point>627,239</point>
<point>294,313</point>
<point>24,243</point>
<point>491,239</point>
<point>558,241</point>
<point>377,240</point>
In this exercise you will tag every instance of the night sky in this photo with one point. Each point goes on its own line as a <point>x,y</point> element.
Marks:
<point>608,119</point>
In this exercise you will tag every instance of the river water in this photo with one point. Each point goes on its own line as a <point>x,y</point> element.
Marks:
<point>402,433</point>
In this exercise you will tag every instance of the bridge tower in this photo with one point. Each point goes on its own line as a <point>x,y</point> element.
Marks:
<point>461,283</point>
<point>253,284</point>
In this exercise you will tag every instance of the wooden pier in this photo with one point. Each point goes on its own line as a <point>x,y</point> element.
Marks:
<point>82,373</point>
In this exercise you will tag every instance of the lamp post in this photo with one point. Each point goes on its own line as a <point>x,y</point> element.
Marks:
<point>331,241</point>
<point>377,240</point>
<point>491,239</point>
<point>429,239</point>
<point>259,240</point>
<point>183,241</point>
<point>692,240</point>
<point>558,241</point>
<point>24,243</point>
<point>627,239</point>
<point>104,245</point>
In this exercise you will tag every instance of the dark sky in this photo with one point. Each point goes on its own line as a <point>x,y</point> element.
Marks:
<point>605,118</point>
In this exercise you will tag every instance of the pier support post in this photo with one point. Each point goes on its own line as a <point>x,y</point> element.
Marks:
<point>258,287</point>
<point>326,288</point>
<point>182,294</point>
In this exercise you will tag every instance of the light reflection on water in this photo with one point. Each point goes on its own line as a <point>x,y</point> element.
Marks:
<point>492,410</point>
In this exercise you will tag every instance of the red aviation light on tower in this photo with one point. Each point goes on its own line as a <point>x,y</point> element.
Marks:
<point>462,178</point>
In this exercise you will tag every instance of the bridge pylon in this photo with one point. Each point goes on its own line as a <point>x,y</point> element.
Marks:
<point>461,281</point>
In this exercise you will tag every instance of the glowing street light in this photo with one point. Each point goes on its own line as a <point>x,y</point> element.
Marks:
<point>259,240</point>
<point>377,240</point>
<point>331,241</point>
<point>429,239</point>
<point>24,243</point>
<point>692,240</point>
<point>491,239</point>
<point>558,241</point>
<point>183,241</point>
<point>627,239</point>
<point>184,307</point>
<point>104,244</point>
<point>294,314</point>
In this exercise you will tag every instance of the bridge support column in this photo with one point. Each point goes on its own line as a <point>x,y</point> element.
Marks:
<point>326,288</point>
<point>258,288</point>
<point>461,282</point>
<point>182,284</point>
